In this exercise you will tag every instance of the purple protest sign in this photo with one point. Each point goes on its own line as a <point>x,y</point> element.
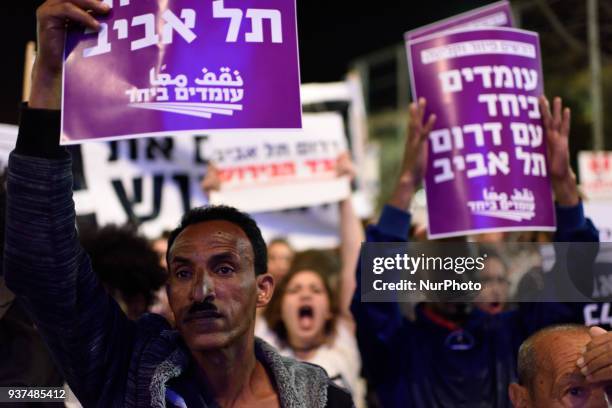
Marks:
<point>498,14</point>
<point>159,67</point>
<point>486,167</point>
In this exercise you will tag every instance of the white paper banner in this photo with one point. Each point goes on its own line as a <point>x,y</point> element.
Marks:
<point>277,171</point>
<point>152,182</point>
<point>599,212</point>
<point>8,137</point>
<point>595,170</point>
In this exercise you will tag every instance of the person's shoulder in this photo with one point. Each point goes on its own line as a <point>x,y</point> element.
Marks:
<point>158,351</point>
<point>344,332</point>
<point>303,370</point>
<point>301,381</point>
<point>152,324</point>
<point>338,397</point>
<point>155,335</point>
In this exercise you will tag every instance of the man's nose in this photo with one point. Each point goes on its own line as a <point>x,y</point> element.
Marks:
<point>203,289</point>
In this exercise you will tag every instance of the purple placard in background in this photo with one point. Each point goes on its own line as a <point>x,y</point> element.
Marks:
<point>486,167</point>
<point>160,67</point>
<point>498,14</point>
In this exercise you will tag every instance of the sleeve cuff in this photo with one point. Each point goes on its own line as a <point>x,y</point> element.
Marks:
<point>39,134</point>
<point>394,223</point>
<point>570,218</point>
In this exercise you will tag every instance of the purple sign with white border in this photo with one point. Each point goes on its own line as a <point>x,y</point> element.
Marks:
<point>159,67</point>
<point>486,167</point>
<point>498,14</point>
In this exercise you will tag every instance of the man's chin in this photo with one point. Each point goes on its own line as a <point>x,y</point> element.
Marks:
<point>206,341</point>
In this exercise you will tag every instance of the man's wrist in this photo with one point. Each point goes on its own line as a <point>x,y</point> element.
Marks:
<point>46,88</point>
<point>39,132</point>
<point>403,192</point>
<point>566,190</point>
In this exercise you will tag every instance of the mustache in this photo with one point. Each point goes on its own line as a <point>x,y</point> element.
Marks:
<point>202,309</point>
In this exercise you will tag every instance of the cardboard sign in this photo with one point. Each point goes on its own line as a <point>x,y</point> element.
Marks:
<point>8,138</point>
<point>269,172</point>
<point>182,66</point>
<point>486,167</point>
<point>152,182</point>
<point>595,169</point>
<point>498,14</point>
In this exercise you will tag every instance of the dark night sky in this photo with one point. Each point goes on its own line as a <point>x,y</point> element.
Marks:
<point>331,34</point>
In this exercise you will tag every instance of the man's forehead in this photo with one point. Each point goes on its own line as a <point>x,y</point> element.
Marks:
<point>213,232</point>
<point>557,352</point>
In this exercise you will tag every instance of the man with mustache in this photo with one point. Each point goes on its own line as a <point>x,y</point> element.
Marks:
<point>218,277</point>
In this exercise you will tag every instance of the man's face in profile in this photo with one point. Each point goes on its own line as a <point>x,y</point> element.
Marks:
<point>212,287</point>
<point>559,382</point>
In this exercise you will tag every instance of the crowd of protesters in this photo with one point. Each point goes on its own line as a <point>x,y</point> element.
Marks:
<point>178,322</point>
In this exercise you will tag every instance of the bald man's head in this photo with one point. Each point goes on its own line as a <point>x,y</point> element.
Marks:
<point>535,353</point>
<point>548,373</point>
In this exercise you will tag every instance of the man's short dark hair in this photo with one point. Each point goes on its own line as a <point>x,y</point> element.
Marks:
<point>230,214</point>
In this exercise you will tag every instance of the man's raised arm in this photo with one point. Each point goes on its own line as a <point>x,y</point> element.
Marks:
<point>572,226</point>
<point>44,263</point>
<point>378,324</point>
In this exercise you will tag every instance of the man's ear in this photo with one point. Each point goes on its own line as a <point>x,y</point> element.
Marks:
<point>265,289</point>
<point>519,395</point>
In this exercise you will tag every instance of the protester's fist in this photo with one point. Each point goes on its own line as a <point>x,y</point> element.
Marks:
<point>557,128</point>
<point>53,18</point>
<point>596,361</point>
<point>415,154</point>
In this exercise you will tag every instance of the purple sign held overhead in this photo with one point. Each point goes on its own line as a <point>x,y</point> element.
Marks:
<point>159,67</point>
<point>486,167</point>
<point>498,14</point>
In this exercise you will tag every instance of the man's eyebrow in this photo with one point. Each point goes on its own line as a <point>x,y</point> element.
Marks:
<point>224,257</point>
<point>180,260</point>
<point>571,377</point>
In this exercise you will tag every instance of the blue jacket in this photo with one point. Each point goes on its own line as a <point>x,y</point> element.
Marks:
<point>108,360</point>
<point>411,364</point>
